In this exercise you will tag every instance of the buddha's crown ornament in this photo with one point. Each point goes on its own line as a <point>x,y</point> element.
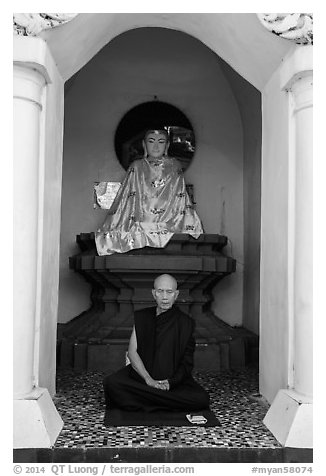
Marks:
<point>156,132</point>
<point>297,27</point>
<point>31,24</point>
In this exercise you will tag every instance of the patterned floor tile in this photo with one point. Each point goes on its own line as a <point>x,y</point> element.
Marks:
<point>80,402</point>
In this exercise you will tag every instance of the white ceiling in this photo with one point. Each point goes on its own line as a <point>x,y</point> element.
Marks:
<point>238,38</point>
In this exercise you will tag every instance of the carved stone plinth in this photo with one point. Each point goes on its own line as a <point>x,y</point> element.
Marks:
<point>122,283</point>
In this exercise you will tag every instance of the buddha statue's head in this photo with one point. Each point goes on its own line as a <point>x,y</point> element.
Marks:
<point>156,143</point>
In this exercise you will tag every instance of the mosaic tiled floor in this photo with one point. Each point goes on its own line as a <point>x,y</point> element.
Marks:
<point>80,402</point>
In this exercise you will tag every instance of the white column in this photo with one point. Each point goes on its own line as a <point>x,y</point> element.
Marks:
<point>290,416</point>
<point>36,420</point>
<point>28,88</point>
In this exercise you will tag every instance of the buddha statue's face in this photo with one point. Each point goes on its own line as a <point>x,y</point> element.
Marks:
<point>156,144</point>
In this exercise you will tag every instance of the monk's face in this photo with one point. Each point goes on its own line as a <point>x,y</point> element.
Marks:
<point>156,144</point>
<point>165,292</point>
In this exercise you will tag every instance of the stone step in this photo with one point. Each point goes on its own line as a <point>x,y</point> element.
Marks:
<point>167,454</point>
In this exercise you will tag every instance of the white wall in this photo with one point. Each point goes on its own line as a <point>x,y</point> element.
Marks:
<point>129,71</point>
<point>50,221</point>
<point>249,101</point>
<point>274,313</point>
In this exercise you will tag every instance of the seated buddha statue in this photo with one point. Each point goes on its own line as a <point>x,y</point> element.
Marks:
<point>152,203</point>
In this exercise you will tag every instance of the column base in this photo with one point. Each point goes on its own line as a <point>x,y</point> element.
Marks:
<point>290,419</point>
<point>37,422</point>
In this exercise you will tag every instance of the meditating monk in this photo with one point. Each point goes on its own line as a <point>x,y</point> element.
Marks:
<point>161,349</point>
<point>152,203</point>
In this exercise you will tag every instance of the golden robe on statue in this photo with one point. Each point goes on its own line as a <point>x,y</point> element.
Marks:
<point>152,204</point>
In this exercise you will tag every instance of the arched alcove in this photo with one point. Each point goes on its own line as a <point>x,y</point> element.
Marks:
<point>162,66</point>
<point>268,63</point>
<point>237,38</point>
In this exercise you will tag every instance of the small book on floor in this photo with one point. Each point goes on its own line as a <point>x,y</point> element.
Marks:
<point>196,419</point>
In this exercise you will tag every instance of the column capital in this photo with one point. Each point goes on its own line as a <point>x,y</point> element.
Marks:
<point>296,66</point>
<point>32,53</point>
<point>28,84</point>
<point>301,88</point>
<point>298,79</point>
<point>300,84</point>
<point>297,27</point>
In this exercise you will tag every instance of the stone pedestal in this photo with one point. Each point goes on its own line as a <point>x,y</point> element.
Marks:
<point>122,283</point>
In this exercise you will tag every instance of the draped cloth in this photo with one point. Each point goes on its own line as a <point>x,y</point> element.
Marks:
<point>166,345</point>
<point>151,205</point>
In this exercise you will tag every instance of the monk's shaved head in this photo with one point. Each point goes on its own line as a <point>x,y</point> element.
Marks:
<point>165,292</point>
<point>165,280</point>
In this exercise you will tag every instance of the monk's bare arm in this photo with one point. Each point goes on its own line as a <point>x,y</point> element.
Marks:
<point>137,363</point>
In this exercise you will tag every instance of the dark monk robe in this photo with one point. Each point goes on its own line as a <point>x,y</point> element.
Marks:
<point>166,345</point>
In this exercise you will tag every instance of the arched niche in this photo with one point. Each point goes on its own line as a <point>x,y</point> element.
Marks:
<point>239,39</point>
